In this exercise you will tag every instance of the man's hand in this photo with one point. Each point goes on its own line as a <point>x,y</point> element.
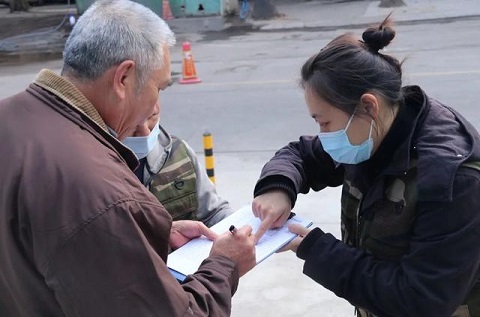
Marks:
<point>185,230</point>
<point>273,208</point>
<point>239,247</point>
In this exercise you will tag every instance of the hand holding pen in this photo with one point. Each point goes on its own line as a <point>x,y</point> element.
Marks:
<point>237,244</point>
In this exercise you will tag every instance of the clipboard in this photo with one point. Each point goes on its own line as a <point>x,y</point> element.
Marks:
<point>187,259</point>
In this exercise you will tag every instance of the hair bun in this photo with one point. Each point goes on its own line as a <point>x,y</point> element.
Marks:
<point>377,38</point>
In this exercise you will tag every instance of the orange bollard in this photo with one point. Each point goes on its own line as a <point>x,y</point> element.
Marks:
<point>167,13</point>
<point>189,73</point>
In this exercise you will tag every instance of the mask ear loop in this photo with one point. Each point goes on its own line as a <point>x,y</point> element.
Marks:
<point>350,120</point>
<point>337,164</point>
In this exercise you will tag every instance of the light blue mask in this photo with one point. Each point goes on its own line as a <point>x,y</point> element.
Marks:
<point>142,145</point>
<point>338,146</point>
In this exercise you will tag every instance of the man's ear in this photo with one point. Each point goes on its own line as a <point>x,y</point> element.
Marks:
<point>370,104</point>
<point>124,78</point>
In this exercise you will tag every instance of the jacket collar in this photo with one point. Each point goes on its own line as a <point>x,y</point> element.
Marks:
<point>416,107</point>
<point>67,91</point>
<point>440,139</point>
<point>159,154</point>
<point>393,155</point>
<point>84,113</point>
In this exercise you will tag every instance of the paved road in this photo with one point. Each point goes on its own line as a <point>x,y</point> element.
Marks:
<point>250,100</point>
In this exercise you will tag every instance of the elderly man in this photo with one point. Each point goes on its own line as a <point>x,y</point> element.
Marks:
<point>79,234</point>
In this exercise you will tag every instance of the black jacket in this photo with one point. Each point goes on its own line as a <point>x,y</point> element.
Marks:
<point>442,263</point>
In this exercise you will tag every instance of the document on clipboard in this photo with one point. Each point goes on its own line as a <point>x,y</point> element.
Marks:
<point>187,259</point>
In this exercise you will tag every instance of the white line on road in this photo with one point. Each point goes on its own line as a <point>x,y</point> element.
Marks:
<point>289,81</point>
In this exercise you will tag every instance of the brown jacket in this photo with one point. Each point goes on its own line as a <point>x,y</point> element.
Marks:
<point>79,234</point>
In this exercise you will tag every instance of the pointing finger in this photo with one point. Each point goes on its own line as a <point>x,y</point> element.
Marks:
<point>264,226</point>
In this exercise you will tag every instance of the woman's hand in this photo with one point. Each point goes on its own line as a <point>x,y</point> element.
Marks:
<point>301,231</point>
<point>273,208</point>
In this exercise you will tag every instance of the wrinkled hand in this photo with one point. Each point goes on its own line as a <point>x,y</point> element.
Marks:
<point>239,247</point>
<point>301,231</point>
<point>273,208</point>
<point>185,230</point>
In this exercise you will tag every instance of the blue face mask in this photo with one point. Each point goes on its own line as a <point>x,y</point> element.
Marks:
<point>142,145</point>
<point>338,146</point>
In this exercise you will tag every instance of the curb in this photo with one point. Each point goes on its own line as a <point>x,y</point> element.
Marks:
<point>33,47</point>
<point>298,25</point>
<point>54,49</point>
<point>24,57</point>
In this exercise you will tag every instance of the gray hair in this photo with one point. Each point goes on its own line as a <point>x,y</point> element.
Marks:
<point>112,31</point>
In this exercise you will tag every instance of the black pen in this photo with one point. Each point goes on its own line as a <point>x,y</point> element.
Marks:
<point>232,229</point>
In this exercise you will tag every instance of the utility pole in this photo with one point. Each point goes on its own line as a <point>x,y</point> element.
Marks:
<point>391,3</point>
<point>19,5</point>
<point>264,10</point>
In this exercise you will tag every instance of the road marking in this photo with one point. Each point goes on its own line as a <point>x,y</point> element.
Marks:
<point>290,81</point>
<point>450,73</point>
<point>253,82</point>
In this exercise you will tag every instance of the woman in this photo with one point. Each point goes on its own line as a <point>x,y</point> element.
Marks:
<point>410,171</point>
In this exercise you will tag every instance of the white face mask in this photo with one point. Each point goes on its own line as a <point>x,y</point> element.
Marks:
<point>338,146</point>
<point>142,145</point>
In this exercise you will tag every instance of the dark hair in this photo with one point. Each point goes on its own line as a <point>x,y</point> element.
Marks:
<point>347,68</point>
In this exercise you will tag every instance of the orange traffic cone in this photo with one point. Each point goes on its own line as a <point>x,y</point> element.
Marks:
<point>167,13</point>
<point>189,73</point>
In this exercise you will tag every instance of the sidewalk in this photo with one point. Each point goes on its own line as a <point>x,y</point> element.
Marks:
<point>348,14</point>
<point>47,42</point>
<point>38,34</point>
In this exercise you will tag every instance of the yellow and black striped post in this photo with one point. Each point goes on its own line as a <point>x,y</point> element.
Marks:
<point>208,150</point>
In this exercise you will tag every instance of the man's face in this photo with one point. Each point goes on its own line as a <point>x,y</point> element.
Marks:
<point>142,105</point>
<point>145,128</point>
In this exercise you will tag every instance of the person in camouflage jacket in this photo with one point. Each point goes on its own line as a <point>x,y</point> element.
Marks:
<point>171,170</point>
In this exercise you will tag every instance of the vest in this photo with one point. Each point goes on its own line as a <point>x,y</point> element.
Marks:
<point>384,230</point>
<point>175,184</point>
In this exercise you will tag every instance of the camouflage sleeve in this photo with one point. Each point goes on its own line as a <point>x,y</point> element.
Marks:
<point>211,207</point>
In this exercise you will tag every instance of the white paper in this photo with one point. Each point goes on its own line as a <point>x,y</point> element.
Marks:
<point>187,259</point>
